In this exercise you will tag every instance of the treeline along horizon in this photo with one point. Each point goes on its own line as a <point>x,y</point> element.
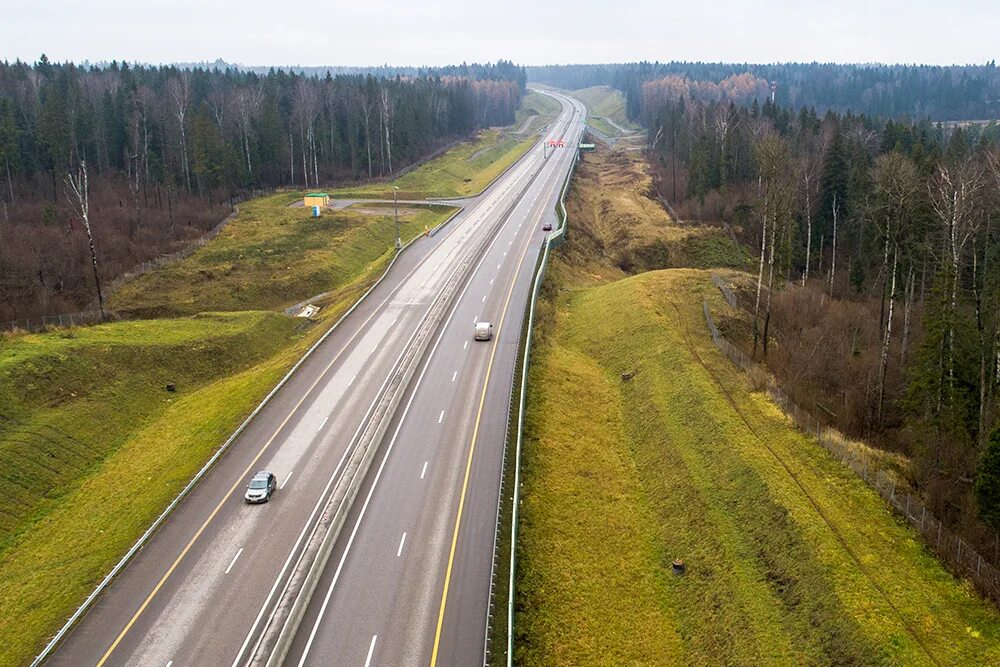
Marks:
<point>164,145</point>
<point>955,92</point>
<point>239,128</point>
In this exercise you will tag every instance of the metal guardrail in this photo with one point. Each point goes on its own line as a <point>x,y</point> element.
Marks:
<point>144,538</point>
<point>141,542</point>
<point>553,240</point>
<point>280,631</point>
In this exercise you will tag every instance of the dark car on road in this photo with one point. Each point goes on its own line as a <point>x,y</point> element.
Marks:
<point>261,486</point>
<point>547,227</point>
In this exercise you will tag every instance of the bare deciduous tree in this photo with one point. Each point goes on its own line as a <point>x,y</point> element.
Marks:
<point>180,92</point>
<point>247,101</point>
<point>386,110</point>
<point>896,181</point>
<point>773,158</point>
<point>78,190</point>
<point>954,194</point>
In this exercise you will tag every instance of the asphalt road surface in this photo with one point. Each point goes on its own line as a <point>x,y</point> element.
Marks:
<point>408,582</point>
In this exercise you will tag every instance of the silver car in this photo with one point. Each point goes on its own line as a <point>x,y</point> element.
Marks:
<point>261,486</point>
<point>484,330</point>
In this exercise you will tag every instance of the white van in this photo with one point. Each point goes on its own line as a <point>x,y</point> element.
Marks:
<point>484,330</point>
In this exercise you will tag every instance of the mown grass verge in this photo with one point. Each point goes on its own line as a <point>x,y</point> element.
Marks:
<point>461,172</point>
<point>93,447</point>
<point>605,102</point>
<point>272,256</point>
<point>644,444</point>
<point>791,559</point>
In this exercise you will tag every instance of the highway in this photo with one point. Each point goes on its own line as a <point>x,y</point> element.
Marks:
<point>408,579</point>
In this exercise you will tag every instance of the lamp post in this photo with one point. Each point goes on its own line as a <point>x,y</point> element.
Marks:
<point>395,207</point>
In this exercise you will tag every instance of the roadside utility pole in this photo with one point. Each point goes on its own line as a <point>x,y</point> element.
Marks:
<point>395,207</point>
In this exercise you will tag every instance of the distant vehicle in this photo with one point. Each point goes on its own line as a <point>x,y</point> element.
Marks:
<point>261,486</point>
<point>547,227</point>
<point>484,330</point>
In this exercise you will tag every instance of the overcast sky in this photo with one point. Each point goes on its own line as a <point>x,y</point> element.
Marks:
<point>375,32</point>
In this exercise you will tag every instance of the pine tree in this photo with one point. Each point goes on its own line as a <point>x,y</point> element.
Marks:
<point>9,154</point>
<point>988,482</point>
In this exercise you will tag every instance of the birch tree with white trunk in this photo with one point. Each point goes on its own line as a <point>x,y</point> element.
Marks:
<point>78,191</point>
<point>180,92</point>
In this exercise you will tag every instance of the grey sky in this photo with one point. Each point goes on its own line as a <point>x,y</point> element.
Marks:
<point>373,32</point>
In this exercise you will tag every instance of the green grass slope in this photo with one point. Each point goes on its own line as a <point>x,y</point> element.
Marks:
<point>462,171</point>
<point>274,255</point>
<point>536,110</point>
<point>92,446</point>
<point>605,102</point>
<point>791,559</point>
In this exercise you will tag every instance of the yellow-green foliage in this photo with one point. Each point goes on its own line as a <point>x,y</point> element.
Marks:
<point>602,126</point>
<point>536,110</point>
<point>791,559</point>
<point>605,102</point>
<point>462,171</point>
<point>92,446</point>
<point>89,430</point>
<point>274,255</point>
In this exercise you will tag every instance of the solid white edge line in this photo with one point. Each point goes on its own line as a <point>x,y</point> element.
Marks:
<point>350,447</point>
<point>385,458</point>
<point>510,625</point>
<point>320,500</point>
<point>143,539</point>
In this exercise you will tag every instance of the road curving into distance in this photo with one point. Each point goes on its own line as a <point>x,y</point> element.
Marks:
<point>407,579</point>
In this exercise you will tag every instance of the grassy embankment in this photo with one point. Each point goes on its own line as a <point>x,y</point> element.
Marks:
<point>462,171</point>
<point>466,169</point>
<point>645,445</point>
<point>604,102</point>
<point>275,256</point>
<point>536,110</point>
<point>92,446</point>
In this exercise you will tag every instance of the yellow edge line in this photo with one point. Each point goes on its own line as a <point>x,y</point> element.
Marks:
<point>239,480</point>
<point>225,499</point>
<point>472,450</point>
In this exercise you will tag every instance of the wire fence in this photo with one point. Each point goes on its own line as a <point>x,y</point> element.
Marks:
<point>46,322</point>
<point>957,554</point>
<point>499,647</point>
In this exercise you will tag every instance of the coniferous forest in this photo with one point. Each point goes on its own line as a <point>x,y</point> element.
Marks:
<point>168,150</point>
